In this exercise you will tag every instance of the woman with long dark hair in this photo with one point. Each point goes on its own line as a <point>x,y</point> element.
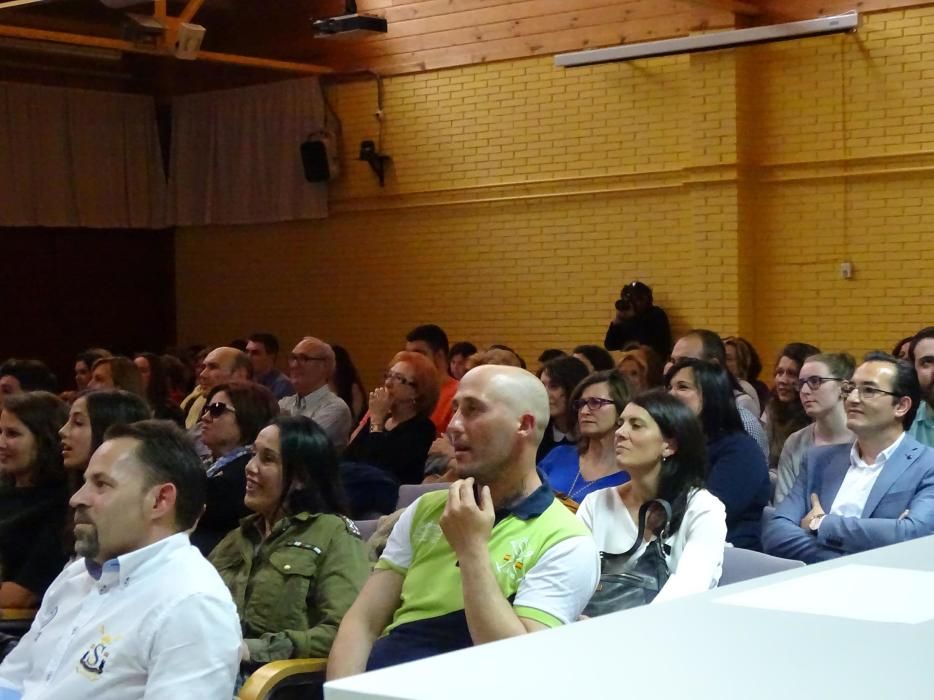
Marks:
<point>737,472</point>
<point>347,384</point>
<point>33,497</point>
<point>156,384</point>
<point>784,413</point>
<point>91,414</point>
<point>660,443</point>
<point>295,565</point>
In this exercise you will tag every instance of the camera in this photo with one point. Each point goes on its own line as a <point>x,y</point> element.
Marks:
<point>623,304</point>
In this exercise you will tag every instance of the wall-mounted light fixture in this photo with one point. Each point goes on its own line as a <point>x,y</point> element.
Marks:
<point>378,161</point>
<point>712,41</point>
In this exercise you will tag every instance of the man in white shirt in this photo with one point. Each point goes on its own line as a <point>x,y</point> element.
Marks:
<point>140,613</point>
<point>879,490</point>
<point>311,364</point>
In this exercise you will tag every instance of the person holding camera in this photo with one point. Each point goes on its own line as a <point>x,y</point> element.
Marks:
<point>638,320</point>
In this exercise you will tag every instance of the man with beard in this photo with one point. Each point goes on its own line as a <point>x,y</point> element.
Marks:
<point>140,612</point>
<point>877,491</point>
<point>921,352</point>
<point>495,556</point>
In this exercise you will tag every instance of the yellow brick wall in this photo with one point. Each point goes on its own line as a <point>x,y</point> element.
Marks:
<point>522,196</point>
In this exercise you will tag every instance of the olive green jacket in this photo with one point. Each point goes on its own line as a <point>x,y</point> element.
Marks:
<point>293,588</point>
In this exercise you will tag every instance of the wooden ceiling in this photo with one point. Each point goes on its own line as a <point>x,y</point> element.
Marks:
<point>423,35</point>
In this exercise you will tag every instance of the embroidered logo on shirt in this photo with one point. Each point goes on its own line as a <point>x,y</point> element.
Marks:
<point>512,563</point>
<point>92,662</point>
<point>426,534</point>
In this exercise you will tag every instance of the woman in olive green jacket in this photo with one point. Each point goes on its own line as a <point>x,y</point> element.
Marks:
<point>295,566</point>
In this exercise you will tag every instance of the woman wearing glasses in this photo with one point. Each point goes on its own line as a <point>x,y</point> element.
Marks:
<point>233,415</point>
<point>820,386</point>
<point>399,431</point>
<point>573,471</point>
<point>738,474</point>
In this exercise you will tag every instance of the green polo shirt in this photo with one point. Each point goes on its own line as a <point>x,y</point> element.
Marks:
<point>544,560</point>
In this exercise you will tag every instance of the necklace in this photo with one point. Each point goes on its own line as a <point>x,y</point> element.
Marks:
<point>574,483</point>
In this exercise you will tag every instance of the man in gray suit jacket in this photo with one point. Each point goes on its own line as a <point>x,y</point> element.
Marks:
<point>878,491</point>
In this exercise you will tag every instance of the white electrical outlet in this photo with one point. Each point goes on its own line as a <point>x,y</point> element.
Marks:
<point>846,270</point>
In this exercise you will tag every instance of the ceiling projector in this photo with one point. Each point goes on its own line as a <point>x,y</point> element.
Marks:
<point>349,26</point>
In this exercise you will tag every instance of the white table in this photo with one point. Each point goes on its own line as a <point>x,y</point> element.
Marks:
<point>694,648</point>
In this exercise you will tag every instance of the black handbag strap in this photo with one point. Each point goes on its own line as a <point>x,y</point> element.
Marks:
<point>643,515</point>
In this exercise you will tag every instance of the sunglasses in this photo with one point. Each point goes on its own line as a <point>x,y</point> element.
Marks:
<point>217,409</point>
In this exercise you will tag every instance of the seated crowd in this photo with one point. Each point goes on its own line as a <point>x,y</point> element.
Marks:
<point>176,522</point>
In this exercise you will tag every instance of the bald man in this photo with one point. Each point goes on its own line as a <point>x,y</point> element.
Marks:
<point>493,557</point>
<point>222,365</point>
<point>311,364</point>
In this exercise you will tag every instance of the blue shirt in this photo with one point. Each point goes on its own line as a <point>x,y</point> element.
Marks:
<point>922,429</point>
<point>277,383</point>
<point>561,467</point>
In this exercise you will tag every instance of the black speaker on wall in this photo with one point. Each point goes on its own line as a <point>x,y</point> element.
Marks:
<point>315,160</point>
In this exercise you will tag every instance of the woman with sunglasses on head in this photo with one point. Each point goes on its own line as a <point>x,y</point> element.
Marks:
<point>33,497</point>
<point>398,432</point>
<point>737,474</point>
<point>820,386</point>
<point>295,564</point>
<point>573,471</point>
<point>233,415</point>
<point>660,444</point>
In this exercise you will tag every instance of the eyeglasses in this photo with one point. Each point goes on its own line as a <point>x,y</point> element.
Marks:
<point>217,409</point>
<point>593,403</point>
<point>305,359</point>
<point>398,378</point>
<point>865,392</point>
<point>814,382</point>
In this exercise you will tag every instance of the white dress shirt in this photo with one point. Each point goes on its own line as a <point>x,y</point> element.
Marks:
<point>326,409</point>
<point>859,480</point>
<point>157,623</point>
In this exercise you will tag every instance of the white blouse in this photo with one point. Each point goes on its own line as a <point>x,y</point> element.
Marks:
<point>696,555</point>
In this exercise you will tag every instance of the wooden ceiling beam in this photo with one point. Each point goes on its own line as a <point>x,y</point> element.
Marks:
<point>129,47</point>
<point>191,9</point>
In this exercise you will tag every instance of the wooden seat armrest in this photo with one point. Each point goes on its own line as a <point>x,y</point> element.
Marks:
<point>262,681</point>
<point>17,613</point>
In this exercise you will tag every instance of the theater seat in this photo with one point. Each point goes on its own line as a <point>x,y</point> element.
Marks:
<point>744,564</point>
<point>408,493</point>
<point>284,680</point>
<point>366,528</point>
<point>16,621</point>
